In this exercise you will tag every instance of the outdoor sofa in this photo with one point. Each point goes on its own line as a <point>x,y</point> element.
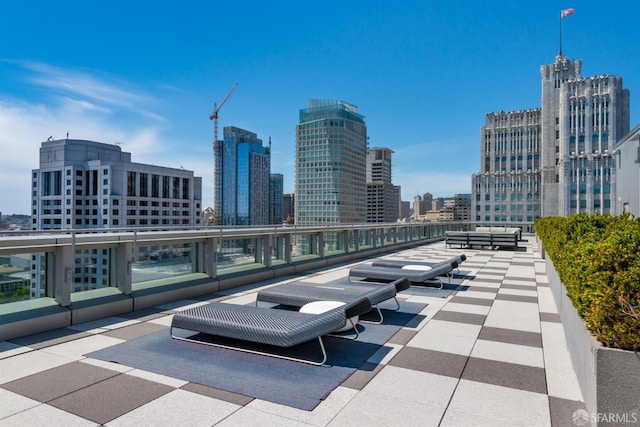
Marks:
<point>274,327</point>
<point>298,294</point>
<point>497,238</point>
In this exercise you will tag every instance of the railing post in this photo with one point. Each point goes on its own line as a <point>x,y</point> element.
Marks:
<point>63,274</point>
<point>356,239</point>
<point>124,261</point>
<point>321,244</point>
<point>287,248</point>
<point>210,256</point>
<point>345,238</point>
<point>266,251</point>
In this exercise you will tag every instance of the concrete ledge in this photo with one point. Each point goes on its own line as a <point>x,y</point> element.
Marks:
<point>23,318</point>
<point>98,304</point>
<point>150,296</point>
<point>609,378</point>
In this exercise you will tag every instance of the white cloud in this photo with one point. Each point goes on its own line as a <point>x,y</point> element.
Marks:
<point>83,106</point>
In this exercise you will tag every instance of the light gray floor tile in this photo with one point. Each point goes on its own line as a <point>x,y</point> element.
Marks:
<point>561,378</point>
<point>78,348</point>
<point>12,403</point>
<point>372,409</point>
<point>449,337</point>
<point>45,415</point>
<point>179,407</point>
<point>511,353</point>
<point>321,414</point>
<point>30,363</point>
<point>250,417</point>
<point>489,402</point>
<point>521,316</point>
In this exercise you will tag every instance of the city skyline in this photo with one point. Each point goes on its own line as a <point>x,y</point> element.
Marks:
<point>423,76</point>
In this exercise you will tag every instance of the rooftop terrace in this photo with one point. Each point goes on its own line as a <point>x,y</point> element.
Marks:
<point>491,353</point>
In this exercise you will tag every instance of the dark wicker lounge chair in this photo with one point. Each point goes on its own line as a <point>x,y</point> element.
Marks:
<point>281,328</point>
<point>412,273</point>
<point>299,293</point>
<point>398,263</point>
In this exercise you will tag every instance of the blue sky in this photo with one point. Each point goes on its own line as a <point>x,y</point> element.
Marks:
<point>423,73</point>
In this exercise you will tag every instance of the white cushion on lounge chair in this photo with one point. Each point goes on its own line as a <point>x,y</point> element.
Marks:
<point>416,267</point>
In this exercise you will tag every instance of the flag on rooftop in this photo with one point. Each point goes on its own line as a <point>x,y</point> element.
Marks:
<point>567,12</point>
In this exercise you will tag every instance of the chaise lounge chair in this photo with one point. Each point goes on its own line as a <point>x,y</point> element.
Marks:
<point>300,293</point>
<point>415,274</point>
<point>398,263</point>
<point>281,328</point>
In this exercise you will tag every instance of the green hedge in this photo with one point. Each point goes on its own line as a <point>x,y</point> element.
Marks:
<point>597,258</point>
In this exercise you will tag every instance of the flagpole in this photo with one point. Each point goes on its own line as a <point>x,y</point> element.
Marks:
<point>560,53</point>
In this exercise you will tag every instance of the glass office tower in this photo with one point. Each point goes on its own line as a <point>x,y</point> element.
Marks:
<point>244,174</point>
<point>331,150</point>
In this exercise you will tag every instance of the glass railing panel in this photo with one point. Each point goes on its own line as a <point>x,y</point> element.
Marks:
<point>160,262</point>
<point>304,247</point>
<point>19,277</point>
<point>278,250</point>
<point>333,243</point>
<point>238,254</point>
<point>366,239</point>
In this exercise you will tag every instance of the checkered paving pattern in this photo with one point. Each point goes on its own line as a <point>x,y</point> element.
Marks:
<point>492,353</point>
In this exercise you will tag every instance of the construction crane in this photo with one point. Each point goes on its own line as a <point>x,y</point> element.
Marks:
<point>217,152</point>
<point>216,109</point>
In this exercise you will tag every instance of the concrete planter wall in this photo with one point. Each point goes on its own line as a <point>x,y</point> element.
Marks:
<point>609,378</point>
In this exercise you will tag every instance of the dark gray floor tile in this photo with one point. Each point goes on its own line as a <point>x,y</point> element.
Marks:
<point>563,412</point>
<point>510,336</point>
<point>454,316</point>
<point>56,382</point>
<point>550,317</point>
<point>124,393</point>
<point>488,279</point>
<point>360,378</point>
<point>479,288</point>
<point>516,298</point>
<point>402,337</point>
<point>145,315</point>
<point>504,374</point>
<point>49,338</point>
<point>461,299</point>
<point>216,393</point>
<point>434,362</point>
<point>519,287</point>
<point>522,263</point>
<point>523,278</point>
<point>135,331</point>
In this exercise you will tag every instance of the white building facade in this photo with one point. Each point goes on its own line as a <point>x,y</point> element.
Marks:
<point>88,185</point>
<point>554,160</point>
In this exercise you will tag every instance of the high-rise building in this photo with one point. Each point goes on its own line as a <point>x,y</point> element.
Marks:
<point>382,195</point>
<point>582,119</point>
<point>87,185</point>
<point>288,207</point>
<point>555,160</point>
<point>276,185</point>
<point>242,176</point>
<point>507,188</point>
<point>626,156</point>
<point>331,147</point>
